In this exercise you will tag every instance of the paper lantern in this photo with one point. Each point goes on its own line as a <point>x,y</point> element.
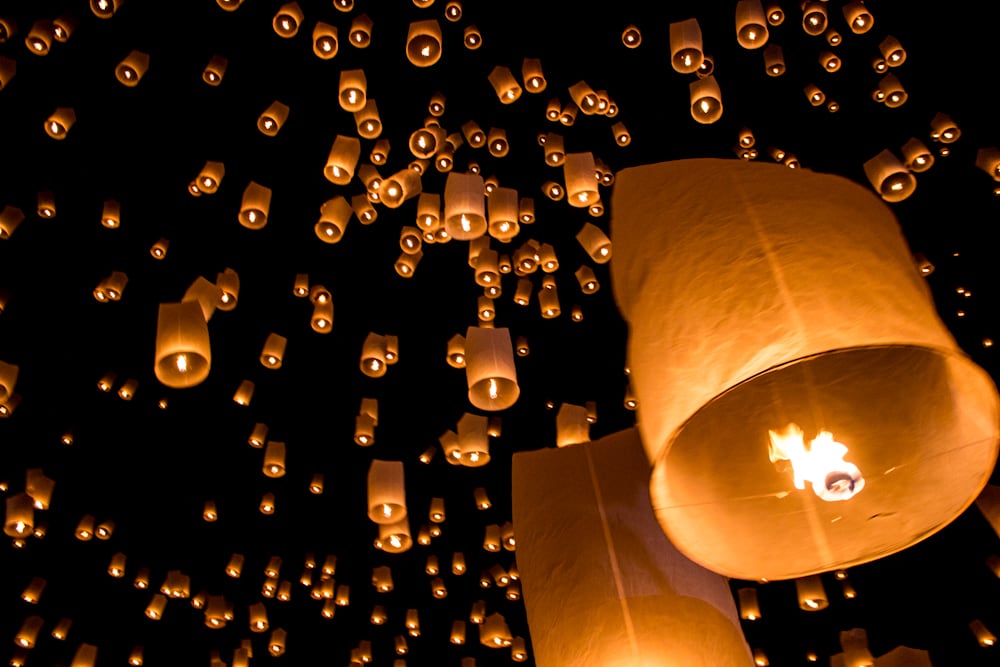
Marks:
<point>944,129</point>
<point>277,641</point>
<point>353,90</point>
<point>273,118</point>
<point>324,40</point>
<point>8,378</point>
<point>889,177</point>
<point>464,206</point>
<point>423,43</point>
<point>39,37</point>
<point>19,520</point>
<point>86,654</point>
<point>255,205</point>
<point>39,487</point>
<point>183,350</point>
<point>626,589</point>
<point>916,156</point>
<point>858,17</point>
<point>386,492</point>
<point>287,20</point>
<point>489,368</point>
<point>686,54</point>
<point>892,51</point>
<point>533,75</point>
<point>631,36</point>
<point>131,70</point>
<point>342,160</point>
<point>59,123</point>
<point>473,441</point>
<point>368,121</point>
<point>360,35</point>
<point>814,18</point>
<point>579,173</point>
<point>394,537</point>
<point>404,184</point>
<point>706,100</point>
<point>453,10</point>
<point>854,643</point>
<point>505,85</point>
<point>751,24</point>
<point>891,91</point>
<point>8,67</point>
<point>821,322</point>
<point>811,594</point>
<point>214,70</point>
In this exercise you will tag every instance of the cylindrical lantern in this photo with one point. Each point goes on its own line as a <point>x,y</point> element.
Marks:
<point>130,70</point>
<point>58,124</point>
<point>686,54</point>
<point>944,129</point>
<point>423,43</point>
<point>19,521</point>
<point>533,75</point>
<point>811,594</point>
<point>464,206</point>
<point>751,24</point>
<point>626,589</point>
<point>368,121</point>
<point>858,17</point>
<point>255,205</point>
<point>892,51</point>
<point>891,91</point>
<point>814,19</point>
<point>334,216</point>
<point>472,37</point>
<point>324,40</point>
<point>399,187</point>
<point>214,70</point>
<point>580,175</point>
<point>342,160</point>
<point>502,206</point>
<point>889,177</point>
<point>183,351</point>
<point>572,425</point>
<point>287,19</point>
<point>353,90</point>
<point>774,60</point>
<point>595,242</point>
<point>394,537</point>
<point>820,329</point>
<point>274,459</point>
<point>244,392</point>
<point>504,84</point>
<point>706,100</point>
<point>473,441</point>
<point>273,117</point>
<point>631,36</point>
<point>228,282</point>
<point>749,606</point>
<point>386,492</point>
<point>489,368</point>
<point>360,35</point>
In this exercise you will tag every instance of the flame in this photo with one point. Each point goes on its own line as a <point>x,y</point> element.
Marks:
<point>821,463</point>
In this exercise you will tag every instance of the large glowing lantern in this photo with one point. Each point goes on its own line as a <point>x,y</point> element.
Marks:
<point>489,368</point>
<point>183,351</point>
<point>801,403</point>
<point>601,583</point>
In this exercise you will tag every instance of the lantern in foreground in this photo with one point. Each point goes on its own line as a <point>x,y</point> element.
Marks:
<point>760,297</point>
<point>626,596</point>
<point>386,492</point>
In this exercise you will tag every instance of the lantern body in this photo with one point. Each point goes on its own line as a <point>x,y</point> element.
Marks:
<point>183,351</point>
<point>489,368</point>
<point>423,43</point>
<point>464,206</point>
<point>624,596</point>
<point>686,54</point>
<point>386,492</point>
<point>789,296</point>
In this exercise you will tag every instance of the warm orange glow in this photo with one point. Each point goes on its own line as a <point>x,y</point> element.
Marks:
<point>821,463</point>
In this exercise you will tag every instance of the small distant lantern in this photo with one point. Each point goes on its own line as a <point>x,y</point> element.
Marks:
<point>706,100</point>
<point>154,610</point>
<point>944,129</point>
<point>59,123</point>
<point>891,91</point>
<point>892,51</point>
<point>631,36</point>
<point>579,173</point>
<point>46,205</point>
<point>105,9</point>
<point>39,37</point>
<point>394,537</point>
<point>889,177</point>
<point>453,10</point>
<point>131,70</point>
<point>368,121</point>
<point>811,594</point>
<point>214,70</point>
<point>244,392</point>
<point>472,37</point>
<point>916,156</point>
<point>815,96</point>
<point>533,75</point>
<point>774,60</point>
<point>273,118</point>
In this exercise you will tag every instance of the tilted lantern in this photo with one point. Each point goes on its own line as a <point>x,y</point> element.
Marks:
<point>889,177</point>
<point>273,118</point>
<point>324,39</point>
<point>423,43</point>
<point>686,53</point>
<point>287,19</point>
<point>768,308</point>
<point>505,85</point>
<point>342,160</point>
<point>254,206</point>
<point>131,70</point>
<point>601,583</point>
